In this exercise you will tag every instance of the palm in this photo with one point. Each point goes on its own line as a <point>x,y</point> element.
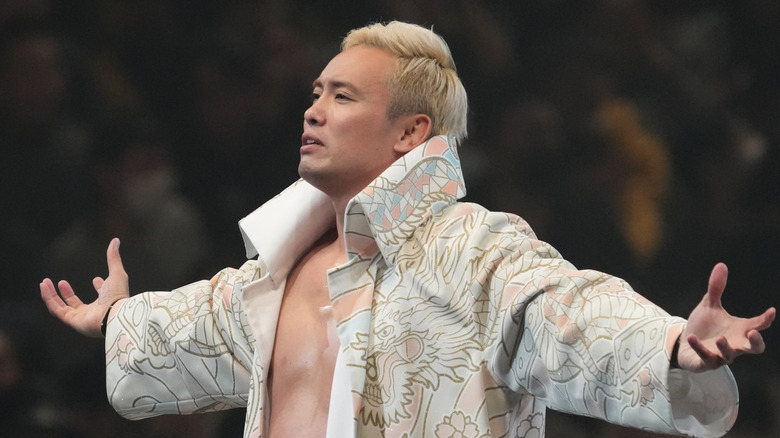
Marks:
<point>713,337</point>
<point>87,318</point>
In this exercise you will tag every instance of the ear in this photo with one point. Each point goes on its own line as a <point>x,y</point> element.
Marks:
<point>417,129</point>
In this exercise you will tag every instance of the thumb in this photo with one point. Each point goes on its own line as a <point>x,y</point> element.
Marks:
<point>717,284</point>
<point>113,258</point>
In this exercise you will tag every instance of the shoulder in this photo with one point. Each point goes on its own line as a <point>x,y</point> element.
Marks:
<point>476,217</point>
<point>470,225</point>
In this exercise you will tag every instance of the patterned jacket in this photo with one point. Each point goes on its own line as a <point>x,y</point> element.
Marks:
<point>453,321</point>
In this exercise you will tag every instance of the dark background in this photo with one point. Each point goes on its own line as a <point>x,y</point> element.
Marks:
<point>638,137</point>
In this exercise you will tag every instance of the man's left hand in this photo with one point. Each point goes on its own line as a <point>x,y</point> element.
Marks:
<point>713,337</point>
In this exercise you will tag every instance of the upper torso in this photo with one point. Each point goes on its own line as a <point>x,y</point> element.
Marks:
<point>451,320</point>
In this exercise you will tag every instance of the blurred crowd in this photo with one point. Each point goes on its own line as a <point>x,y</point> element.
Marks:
<point>639,137</point>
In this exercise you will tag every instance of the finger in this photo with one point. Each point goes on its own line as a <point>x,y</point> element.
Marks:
<point>726,352</point>
<point>97,283</point>
<point>68,295</point>
<point>49,294</point>
<point>114,259</point>
<point>48,291</point>
<point>757,345</point>
<point>764,320</point>
<point>709,358</point>
<point>53,302</point>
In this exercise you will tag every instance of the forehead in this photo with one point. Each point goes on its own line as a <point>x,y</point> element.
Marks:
<point>360,66</point>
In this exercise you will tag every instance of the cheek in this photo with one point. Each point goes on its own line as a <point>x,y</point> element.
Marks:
<point>365,134</point>
<point>375,133</point>
<point>366,120</point>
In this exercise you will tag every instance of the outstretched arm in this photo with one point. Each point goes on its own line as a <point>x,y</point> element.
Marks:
<point>713,337</point>
<point>87,318</point>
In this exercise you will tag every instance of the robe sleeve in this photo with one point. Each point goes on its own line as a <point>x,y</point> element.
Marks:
<point>185,351</point>
<point>586,343</point>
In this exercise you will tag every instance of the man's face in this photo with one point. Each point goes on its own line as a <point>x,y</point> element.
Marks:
<point>347,138</point>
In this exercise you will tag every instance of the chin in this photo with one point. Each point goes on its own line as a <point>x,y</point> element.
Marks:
<point>316,179</point>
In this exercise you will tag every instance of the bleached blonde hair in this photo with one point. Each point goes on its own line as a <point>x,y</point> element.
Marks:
<point>425,80</point>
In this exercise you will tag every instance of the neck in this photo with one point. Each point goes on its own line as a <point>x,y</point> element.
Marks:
<point>340,208</point>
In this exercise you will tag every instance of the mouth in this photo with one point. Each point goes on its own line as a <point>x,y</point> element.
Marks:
<point>309,140</point>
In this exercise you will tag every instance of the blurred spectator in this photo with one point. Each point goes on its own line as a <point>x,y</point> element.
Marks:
<point>640,168</point>
<point>27,401</point>
<point>137,200</point>
<point>45,142</point>
<point>244,116</point>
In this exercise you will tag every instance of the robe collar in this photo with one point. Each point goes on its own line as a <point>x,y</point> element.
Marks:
<point>379,218</point>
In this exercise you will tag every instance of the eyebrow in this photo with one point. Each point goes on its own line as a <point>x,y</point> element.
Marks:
<point>335,84</point>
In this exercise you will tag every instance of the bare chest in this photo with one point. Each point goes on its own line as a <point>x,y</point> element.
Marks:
<point>305,351</point>
<point>306,332</point>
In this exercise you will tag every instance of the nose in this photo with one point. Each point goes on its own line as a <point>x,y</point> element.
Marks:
<point>314,114</point>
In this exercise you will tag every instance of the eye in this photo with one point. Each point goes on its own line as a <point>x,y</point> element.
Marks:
<point>342,96</point>
<point>385,332</point>
<point>315,96</point>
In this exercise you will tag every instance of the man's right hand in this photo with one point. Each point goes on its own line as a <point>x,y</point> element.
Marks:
<point>87,318</point>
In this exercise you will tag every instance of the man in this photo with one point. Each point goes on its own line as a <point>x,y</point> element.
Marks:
<point>378,305</point>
